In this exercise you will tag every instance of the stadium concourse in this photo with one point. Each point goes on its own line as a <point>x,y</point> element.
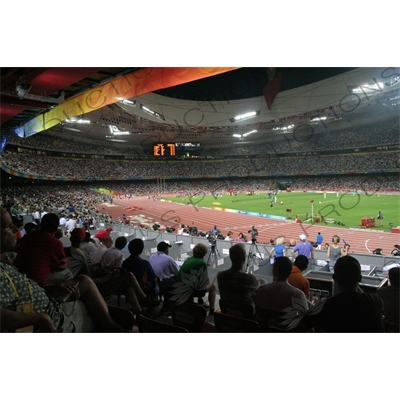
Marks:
<point>145,211</point>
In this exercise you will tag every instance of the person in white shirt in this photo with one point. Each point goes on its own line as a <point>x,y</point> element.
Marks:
<point>36,216</point>
<point>229,236</point>
<point>105,244</point>
<point>88,248</point>
<point>166,269</point>
<point>180,230</point>
<point>70,225</point>
<point>63,221</point>
<point>113,256</point>
<point>44,212</point>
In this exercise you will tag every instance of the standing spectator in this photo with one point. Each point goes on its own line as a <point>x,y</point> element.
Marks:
<point>303,248</point>
<point>36,216</point>
<point>70,225</point>
<point>63,221</point>
<point>380,218</point>
<point>335,251</point>
<point>279,249</point>
<point>319,240</point>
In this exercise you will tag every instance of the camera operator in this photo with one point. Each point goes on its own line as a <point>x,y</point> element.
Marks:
<point>254,233</point>
<point>215,231</point>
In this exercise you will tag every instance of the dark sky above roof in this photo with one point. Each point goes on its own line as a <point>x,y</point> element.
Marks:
<point>245,83</point>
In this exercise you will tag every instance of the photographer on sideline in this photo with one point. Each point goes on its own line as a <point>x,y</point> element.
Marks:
<point>254,233</point>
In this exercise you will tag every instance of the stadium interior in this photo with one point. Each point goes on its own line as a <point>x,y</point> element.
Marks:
<point>156,128</point>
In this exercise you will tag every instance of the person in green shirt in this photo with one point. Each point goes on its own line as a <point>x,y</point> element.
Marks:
<point>193,278</point>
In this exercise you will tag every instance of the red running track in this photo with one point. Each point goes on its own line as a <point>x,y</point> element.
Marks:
<point>172,214</point>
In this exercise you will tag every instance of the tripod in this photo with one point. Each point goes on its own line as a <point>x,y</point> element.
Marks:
<point>252,258</point>
<point>213,256</point>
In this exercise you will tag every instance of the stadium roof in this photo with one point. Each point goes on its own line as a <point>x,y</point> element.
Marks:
<point>237,100</point>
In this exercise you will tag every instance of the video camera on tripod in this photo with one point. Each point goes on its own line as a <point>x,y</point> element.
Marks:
<point>254,233</point>
<point>212,240</point>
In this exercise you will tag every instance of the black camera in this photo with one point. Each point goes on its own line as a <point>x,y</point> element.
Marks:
<point>169,229</point>
<point>156,226</point>
<point>212,240</point>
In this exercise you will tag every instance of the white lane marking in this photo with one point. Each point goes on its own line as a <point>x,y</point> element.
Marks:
<point>369,251</point>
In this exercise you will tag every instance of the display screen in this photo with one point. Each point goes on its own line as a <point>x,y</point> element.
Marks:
<point>176,150</point>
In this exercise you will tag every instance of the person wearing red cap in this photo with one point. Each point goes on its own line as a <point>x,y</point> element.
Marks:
<point>103,233</point>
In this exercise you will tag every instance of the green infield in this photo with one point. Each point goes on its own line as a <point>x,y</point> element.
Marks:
<point>345,210</point>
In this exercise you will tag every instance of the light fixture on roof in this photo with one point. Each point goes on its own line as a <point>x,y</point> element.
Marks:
<point>151,112</point>
<point>243,117</point>
<point>116,140</point>
<point>241,137</point>
<point>116,132</point>
<point>74,120</point>
<point>126,101</point>
<point>22,88</point>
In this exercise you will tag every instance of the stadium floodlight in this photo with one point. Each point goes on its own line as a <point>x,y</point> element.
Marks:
<point>249,133</point>
<point>77,121</point>
<point>248,115</point>
<point>126,101</point>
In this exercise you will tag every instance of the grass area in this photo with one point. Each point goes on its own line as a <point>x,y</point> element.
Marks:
<point>345,210</point>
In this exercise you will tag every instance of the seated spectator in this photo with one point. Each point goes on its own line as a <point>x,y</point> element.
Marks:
<point>351,310</point>
<point>296,277</point>
<point>166,270</point>
<point>240,238</point>
<point>37,308</point>
<point>391,296</point>
<point>143,272</point>
<point>396,251</point>
<point>272,298</point>
<point>236,286</point>
<point>103,245</point>
<point>113,256</point>
<point>41,255</point>
<point>229,236</point>
<point>108,281</point>
<point>76,258</point>
<point>101,235</point>
<point>88,248</point>
<point>197,265</point>
<point>28,227</point>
